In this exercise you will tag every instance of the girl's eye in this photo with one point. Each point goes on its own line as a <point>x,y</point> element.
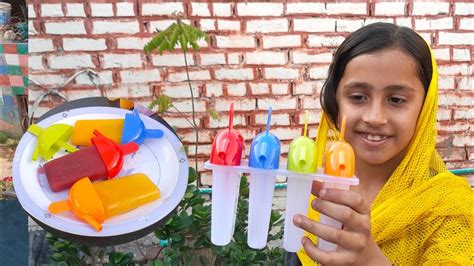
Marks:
<point>396,100</point>
<point>357,97</point>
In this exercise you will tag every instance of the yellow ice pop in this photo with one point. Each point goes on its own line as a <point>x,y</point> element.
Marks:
<point>120,195</point>
<point>83,130</point>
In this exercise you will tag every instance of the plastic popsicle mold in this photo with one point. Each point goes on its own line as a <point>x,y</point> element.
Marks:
<point>226,150</point>
<point>301,171</point>
<point>51,139</point>
<point>339,161</point>
<point>302,158</point>
<point>134,129</point>
<point>264,154</point>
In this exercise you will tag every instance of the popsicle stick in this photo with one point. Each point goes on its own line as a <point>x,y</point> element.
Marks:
<point>128,148</point>
<point>68,147</point>
<point>153,133</point>
<point>305,124</point>
<point>136,113</point>
<point>59,206</point>
<point>343,128</point>
<point>35,153</point>
<point>269,118</point>
<point>231,116</point>
<point>97,226</point>
<point>35,130</point>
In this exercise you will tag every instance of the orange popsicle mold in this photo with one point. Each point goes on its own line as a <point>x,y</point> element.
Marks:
<point>339,157</point>
<point>84,202</point>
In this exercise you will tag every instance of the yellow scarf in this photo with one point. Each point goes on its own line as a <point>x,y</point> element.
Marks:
<point>423,214</point>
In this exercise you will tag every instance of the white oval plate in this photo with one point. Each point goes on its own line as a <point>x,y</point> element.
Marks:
<point>163,160</point>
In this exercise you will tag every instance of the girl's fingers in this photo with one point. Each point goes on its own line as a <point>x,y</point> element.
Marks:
<point>345,197</point>
<point>344,214</point>
<point>316,188</point>
<point>345,239</point>
<point>327,258</point>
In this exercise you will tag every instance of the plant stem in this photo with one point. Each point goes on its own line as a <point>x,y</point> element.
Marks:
<point>158,253</point>
<point>179,111</point>
<point>198,179</point>
<point>140,250</point>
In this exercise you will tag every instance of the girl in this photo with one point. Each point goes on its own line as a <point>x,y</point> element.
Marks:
<point>408,209</point>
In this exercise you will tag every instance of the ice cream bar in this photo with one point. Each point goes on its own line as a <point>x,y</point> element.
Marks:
<point>51,139</point>
<point>130,129</point>
<point>103,159</point>
<point>95,202</point>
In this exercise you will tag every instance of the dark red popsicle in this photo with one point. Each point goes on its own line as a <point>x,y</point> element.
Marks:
<point>103,159</point>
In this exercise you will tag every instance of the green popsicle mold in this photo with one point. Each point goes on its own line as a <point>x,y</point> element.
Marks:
<point>51,139</point>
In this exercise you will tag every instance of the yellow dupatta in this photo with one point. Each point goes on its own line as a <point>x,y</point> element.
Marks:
<point>423,215</point>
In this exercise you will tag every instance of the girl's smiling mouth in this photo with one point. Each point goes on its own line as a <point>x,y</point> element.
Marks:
<point>374,140</point>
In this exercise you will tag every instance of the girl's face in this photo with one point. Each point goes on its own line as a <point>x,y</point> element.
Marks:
<point>381,96</point>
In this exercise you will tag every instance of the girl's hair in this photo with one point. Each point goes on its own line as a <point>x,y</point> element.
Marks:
<point>370,39</point>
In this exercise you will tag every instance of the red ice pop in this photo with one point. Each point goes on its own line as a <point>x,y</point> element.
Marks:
<point>103,159</point>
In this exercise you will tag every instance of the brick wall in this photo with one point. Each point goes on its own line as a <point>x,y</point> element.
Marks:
<point>261,54</point>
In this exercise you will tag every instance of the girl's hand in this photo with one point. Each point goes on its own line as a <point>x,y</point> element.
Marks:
<point>354,240</point>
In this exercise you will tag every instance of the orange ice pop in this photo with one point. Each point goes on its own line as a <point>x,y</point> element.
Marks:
<point>95,202</point>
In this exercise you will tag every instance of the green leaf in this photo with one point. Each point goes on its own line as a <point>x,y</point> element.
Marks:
<point>204,261</point>
<point>174,36</point>
<point>176,238</point>
<point>213,114</point>
<point>163,102</point>
<point>184,42</point>
<point>164,45</point>
<point>85,249</point>
<point>185,222</point>
<point>192,176</point>
<point>115,257</point>
<point>195,46</point>
<point>157,262</point>
<point>57,257</point>
<point>60,245</point>
<point>161,234</point>
<point>127,259</point>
